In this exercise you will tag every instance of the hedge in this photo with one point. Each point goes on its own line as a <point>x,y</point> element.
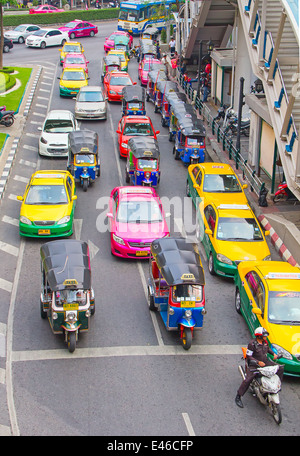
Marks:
<point>7,81</point>
<point>60,18</point>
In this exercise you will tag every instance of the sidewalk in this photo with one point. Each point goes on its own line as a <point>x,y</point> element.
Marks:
<point>282,220</point>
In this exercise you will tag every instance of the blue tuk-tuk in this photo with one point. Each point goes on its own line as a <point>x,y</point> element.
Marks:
<point>177,108</point>
<point>169,98</point>
<point>153,77</point>
<point>176,286</point>
<point>133,101</point>
<point>143,161</point>
<point>164,87</point>
<point>83,159</point>
<point>189,140</point>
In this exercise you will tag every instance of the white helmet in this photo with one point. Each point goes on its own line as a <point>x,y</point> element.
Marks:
<point>261,332</point>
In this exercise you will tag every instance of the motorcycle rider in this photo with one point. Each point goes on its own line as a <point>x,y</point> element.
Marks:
<point>256,354</point>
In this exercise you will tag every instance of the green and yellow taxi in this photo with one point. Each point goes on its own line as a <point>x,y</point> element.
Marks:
<point>123,58</point>
<point>71,80</point>
<point>70,47</point>
<point>268,294</point>
<point>48,205</point>
<point>217,181</point>
<point>230,233</point>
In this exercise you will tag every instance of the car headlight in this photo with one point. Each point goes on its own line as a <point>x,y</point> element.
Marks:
<point>113,92</point>
<point>25,220</point>
<point>63,220</point>
<point>223,259</point>
<point>124,145</point>
<point>118,239</point>
<point>268,258</point>
<point>281,351</point>
<point>71,317</point>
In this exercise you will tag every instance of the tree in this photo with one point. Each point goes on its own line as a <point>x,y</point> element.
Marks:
<point>2,4</point>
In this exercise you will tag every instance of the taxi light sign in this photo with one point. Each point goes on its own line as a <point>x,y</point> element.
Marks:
<point>283,275</point>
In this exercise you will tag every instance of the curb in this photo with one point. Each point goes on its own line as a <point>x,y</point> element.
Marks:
<point>277,242</point>
<point>12,153</point>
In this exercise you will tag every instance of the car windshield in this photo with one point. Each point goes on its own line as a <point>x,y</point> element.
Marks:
<point>147,163</point>
<point>284,307</point>
<point>120,81</point>
<point>221,183</point>
<point>47,194</point>
<point>71,296</point>
<point>84,158</point>
<point>186,292</point>
<point>138,129</point>
<point>238,229</point>
<point>90,96</point>
<point>71,48</point>
<point>73,76</point>
<point>58,126</point>
<point>195,141</point>
<point>40,32</point>
<point>75,60</point>
<point>146,66</point>
<point>71,25</point>
<point>20,28</point>
<point>139,212</point>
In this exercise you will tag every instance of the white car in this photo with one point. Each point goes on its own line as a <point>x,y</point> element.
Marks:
<point>53,141</point>
<point>47,37</point>
<point>20,33</point>
<point>90,103</point>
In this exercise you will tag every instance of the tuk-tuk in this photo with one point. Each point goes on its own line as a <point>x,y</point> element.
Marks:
<point>133,101</point>
<point>169,98</point>
<point>150,33</point>
<point>110,63</point>
<point>67,298</point>
<point>189,140</point>
<point>143,160</point>
<point>122,44</point>
<point>83,159</point>
<point>153,77</point>
<point>147,51</point>
<point>176,286</point>
<point>178,107</point>
<point>163,87</point>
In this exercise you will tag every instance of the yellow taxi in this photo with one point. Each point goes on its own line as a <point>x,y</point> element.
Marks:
<point>230,233</point>
<point>71,80</point>
<point>267,294</point>
<point>70,47</point>
<point>48,205</point>
<point>123,58</point>
<point>216,181</point>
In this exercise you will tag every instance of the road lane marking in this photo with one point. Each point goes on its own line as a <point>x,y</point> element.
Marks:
<point>8,248</point>
<point>6,285</point>
<point>10,220</point>
<point>18,178</point>
<point>110,352</point>
<point>188,424</point>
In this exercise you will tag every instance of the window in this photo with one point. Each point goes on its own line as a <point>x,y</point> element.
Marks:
<point>210,216</point>
<point>257,289</point>
<point>195,171</point>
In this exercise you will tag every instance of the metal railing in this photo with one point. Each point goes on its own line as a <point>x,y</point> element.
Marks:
<point>256,185</point>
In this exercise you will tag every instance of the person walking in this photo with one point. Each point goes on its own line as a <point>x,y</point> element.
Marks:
<point>172,45</point>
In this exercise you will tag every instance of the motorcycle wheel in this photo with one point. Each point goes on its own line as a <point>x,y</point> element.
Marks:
<point>276,413</point>
<point>71,341</point>
<point>186,338</point>
<point>8,121</point>
<point>280,197</point>
<point>246,132</point>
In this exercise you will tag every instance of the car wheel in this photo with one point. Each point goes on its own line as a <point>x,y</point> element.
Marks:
<point>21,40</point>
<point>237,301</point>
<point>92,33</point>
<point>63,42</point>
<point>72,36</point>
<point>43,45</point>
<point>5,48</point>
<point>211,267</point>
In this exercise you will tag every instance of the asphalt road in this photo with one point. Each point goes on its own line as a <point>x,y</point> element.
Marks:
<point>128,375</point>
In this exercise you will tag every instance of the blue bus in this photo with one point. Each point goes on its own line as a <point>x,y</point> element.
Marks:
<point>136,15</point>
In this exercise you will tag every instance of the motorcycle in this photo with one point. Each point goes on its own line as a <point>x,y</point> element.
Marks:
<point>283,193</point>
<point>265,386</point>
<point>233,126</point>
<point>6,117</point>
<point>221,113</point>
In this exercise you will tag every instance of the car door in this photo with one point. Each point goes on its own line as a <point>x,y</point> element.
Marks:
<point>210,223</point>
<point>253,299</point>
<point>57,37</point>
<point>49,38</point>
<point>106,83</point>
<point>120,129</point>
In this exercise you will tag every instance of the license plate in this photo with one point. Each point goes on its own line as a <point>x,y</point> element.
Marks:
<point>71,306</point>
<point>141,253</point>
<point>44,232</point>
<point>73,93</point>
<point>187,304</point>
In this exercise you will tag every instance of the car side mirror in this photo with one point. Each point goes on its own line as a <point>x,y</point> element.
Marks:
<point>134,83</point>
<point>20,198</point>
<point>109,215</point>
<point>119,132</point>
<point>267,233</point>
<point>244,186</point>
<point>256,311</point>
<point>208,231</point>
<point>40,128</point>
<point>157,132</point>
<point>60,50</point>
<point>74,197</point>
<point>196,186</point>
<point>168,214</point>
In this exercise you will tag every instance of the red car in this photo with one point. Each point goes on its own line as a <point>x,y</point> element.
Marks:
<point>45,9</point>
<point>114,83</point>
<point>78,28</point>
<point>109,42</point>
<point>130,126</point>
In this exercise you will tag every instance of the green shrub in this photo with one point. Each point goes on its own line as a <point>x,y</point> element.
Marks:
<point>7,81</point>
<point>61,18</point>
<point>163,36</point>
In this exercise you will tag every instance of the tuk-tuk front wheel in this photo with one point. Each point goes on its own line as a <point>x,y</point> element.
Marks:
<point>71,341</point>
<point>186,338</point>
<point>85,184</point>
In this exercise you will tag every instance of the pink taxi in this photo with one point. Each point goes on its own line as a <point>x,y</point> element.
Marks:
<point>109,43</point>
<point>136,218</point>
<point>144,68</point>
<point>76,61</point>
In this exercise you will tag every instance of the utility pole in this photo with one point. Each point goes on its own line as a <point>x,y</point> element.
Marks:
<point>241,104</point>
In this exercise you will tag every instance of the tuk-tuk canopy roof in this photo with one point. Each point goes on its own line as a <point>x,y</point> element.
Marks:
<point>144,147</point>
<point>148,49</point>
<point>152,75</point>
<point>145,41</point>
<point>178,260</point>
<point>191,126</point>
<point>133,93</point>
<point>66,260</point>
<point>83,141</point>
<point>172,97</point>
<point>112,60</point>
<point>180,109</point>
<point>158,67</point>
<point>151,31</point>
<point>161,83</point>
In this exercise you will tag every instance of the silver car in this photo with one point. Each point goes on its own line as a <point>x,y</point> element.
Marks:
<point>21,32</point>
<point>90,103</point>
